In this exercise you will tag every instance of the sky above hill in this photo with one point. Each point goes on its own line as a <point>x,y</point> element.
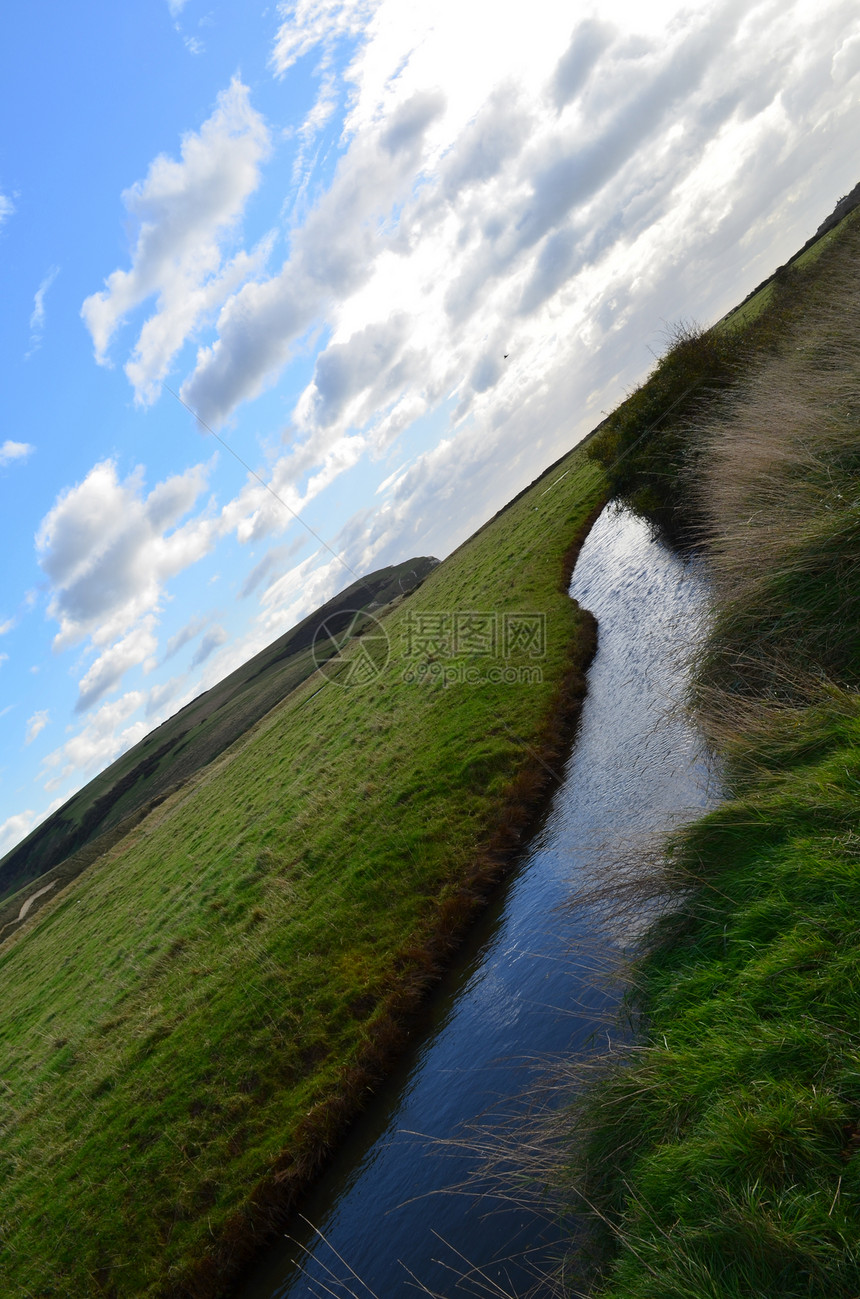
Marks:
<point>371,263</point>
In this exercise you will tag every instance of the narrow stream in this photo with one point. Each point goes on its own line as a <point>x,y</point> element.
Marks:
<point>398,1214</point>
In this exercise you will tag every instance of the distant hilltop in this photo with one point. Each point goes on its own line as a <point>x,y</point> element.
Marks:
<point>845,205</point>
<point>103,811</point>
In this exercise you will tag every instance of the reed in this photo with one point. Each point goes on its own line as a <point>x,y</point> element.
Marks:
<point>716,1154</point>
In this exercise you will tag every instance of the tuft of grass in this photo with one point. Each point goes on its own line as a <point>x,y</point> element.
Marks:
<point>187,1027</point>
<point>720,1157</point>
<point>651,445</point>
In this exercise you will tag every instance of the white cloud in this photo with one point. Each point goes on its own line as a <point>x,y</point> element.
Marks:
<point>624,176</point>
<point>7,207</point>
<point>308,24</point>
<point>331,257</point>
<point>185,212</point>
<point>10,451</point>
<point>6,626</point>
<point>16,828</point>
<point>176,7</point>
<point>37,724</point>
<point>37,318</point>
<point>259,511</point>
<point>108,549</point>
<point>103,738</point>
<point>112,664</point>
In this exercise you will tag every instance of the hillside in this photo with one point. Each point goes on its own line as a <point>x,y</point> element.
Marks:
<point>187,1025</point>
<point>199,732</point>
<point>214,980</point>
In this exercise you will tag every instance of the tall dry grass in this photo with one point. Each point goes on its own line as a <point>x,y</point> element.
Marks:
<point>716,1155</point>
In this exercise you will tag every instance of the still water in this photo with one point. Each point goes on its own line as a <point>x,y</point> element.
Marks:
<point>400,1213</point>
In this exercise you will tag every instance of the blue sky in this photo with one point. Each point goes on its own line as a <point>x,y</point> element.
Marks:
<point>322,225</point>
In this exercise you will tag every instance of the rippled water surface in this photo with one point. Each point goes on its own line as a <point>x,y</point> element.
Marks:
<point>397,1209</point>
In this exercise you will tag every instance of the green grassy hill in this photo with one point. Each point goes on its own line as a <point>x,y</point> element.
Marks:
<point>188,1024</point>
<point>107,807</point>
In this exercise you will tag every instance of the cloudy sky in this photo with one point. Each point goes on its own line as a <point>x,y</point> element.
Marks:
<point>396,256</point>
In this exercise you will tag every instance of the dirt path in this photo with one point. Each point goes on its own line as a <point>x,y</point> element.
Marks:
<point>26,907</point>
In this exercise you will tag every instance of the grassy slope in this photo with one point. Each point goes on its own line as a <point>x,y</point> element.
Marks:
<point>192,737</point>
<point>184,1029</point>
<point>648,442</point>
<point>724,1156</point>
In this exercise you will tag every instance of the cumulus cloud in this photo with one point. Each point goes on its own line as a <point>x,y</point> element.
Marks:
<point>344,370</point>
<point>185,211</point>
<point>587,43</point>
<point>10,451</point>
<point>406,127</point>
<point>496,134</point>
<point>332,255</point>
<point>261,510</point>
<point>112,664</point>
<point>548,208</point>
<point>37,724</point>
<point>108,548</point>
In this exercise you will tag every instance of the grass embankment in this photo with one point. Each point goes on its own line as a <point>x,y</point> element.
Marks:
<point>648,444</point>
<point>722,1159</point>
<point>185,1029</point>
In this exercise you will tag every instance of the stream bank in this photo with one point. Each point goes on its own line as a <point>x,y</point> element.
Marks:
<point>399,1206</point>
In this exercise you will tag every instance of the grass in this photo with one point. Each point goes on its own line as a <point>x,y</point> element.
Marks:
<point>187,1026</point>
<point>720,1158</point>
<point>187,741</point>
<point>650,445</point>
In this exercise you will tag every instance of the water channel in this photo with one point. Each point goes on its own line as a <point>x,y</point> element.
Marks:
<point>398,1214</point>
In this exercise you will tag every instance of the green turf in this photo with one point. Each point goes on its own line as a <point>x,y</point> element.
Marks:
<point>189,739</point>
<point>721,1159</point>
<point>174,1019</point>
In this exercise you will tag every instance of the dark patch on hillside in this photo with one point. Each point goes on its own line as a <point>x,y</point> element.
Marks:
<point>201,730</point>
